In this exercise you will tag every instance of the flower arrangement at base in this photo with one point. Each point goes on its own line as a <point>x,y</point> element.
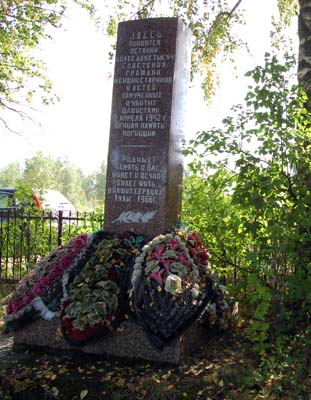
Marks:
<point>171,284</point>
<point>92,299</point>
<point>93,281</point>
<point>43,285</point>
<point>221,313</point>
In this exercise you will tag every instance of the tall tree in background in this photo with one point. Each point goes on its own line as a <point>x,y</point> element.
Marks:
<point>23,25</point>
<point>40,172</point>
<point>95,186</point>
<point>304,56</point>
<point>70,182</point>
<point>10,175</point>
<point>211,23</point>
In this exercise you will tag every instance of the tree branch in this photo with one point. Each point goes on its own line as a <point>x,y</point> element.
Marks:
<point>232,264</point>
<point>289,188</point>
<point>228,14</point>
<point>143,8</point>
<point>23,115</point>
<point>234,8</point>
<point>8,128</point>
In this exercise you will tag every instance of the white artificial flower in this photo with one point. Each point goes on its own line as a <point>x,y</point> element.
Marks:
<point>222,289</point>
<point>173,284</point>
<point>195,291</point>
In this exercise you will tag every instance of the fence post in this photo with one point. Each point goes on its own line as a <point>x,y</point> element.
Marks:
<point>60,228</point>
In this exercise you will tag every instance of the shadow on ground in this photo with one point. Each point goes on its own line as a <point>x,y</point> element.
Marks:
<point>222,369</point>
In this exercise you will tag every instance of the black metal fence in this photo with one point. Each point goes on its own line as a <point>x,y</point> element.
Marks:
<point>27,236</point>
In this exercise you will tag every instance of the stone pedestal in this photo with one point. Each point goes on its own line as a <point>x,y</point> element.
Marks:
<point>129,343</point>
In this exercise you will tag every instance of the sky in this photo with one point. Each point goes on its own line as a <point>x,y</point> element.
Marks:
<point>77,128</point>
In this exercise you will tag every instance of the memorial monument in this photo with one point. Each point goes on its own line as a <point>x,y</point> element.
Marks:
<point>151,80</point>
<point>138,288</point>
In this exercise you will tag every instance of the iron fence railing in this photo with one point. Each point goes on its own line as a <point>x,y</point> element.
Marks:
<point>25,237</point>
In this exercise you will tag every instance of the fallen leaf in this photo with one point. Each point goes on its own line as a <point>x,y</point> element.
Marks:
<point>120,382</point>
<point>63,370</point>
<point>106,378</point>
<point>83,394</point>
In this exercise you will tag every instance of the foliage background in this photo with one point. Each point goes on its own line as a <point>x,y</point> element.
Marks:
<point>86,192</point>
<point>248,192</point>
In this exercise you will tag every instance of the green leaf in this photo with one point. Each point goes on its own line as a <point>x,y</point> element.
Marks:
<point>251,256</point>
<point>139,239</point>
<point>128,243</point>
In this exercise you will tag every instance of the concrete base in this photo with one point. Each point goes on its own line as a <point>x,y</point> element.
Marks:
<point>129,342</point>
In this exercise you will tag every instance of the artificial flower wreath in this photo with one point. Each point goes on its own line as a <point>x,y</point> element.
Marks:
<point>92,301</point>
<point>94,280</point>
<point>43,284</point>
<point>171,284</point>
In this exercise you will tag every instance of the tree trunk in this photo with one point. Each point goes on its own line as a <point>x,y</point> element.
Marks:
<point>304,56</point>
<point>303,246</point>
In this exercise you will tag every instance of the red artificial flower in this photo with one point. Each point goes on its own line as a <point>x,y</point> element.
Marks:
<point>67,323</point>
<point>192,251</point>
<point>39,289</point>
<point>193,237</point>
<point>28,298</point>
<point>57,273</point>
<point>65,261</point>
<point>183,259</point>
<point>157,253</point>
<point>86,333</point>
<point>173,244</point>
<point>14,306</point>
<point>166,262</point>
<point>201,257</point>
<point>113,275</point>
<point>45,281</point>
<point>157,276</point>
<point>77,335</point>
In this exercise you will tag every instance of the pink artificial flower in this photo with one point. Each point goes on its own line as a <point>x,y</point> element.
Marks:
<point>157,253</point>
<point>56,264</point>
<point>9,308</point>
<point>45,281</point>
<point>57,272</point>
<point>183,259</point>
<point>65,261</point>
<point>15,306</point>
<point>39,289</point>
<point>80,240</point>
<point>174,245</point>
<point>157,276</point>
<point>166,262</point>
<point>28,298</point>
